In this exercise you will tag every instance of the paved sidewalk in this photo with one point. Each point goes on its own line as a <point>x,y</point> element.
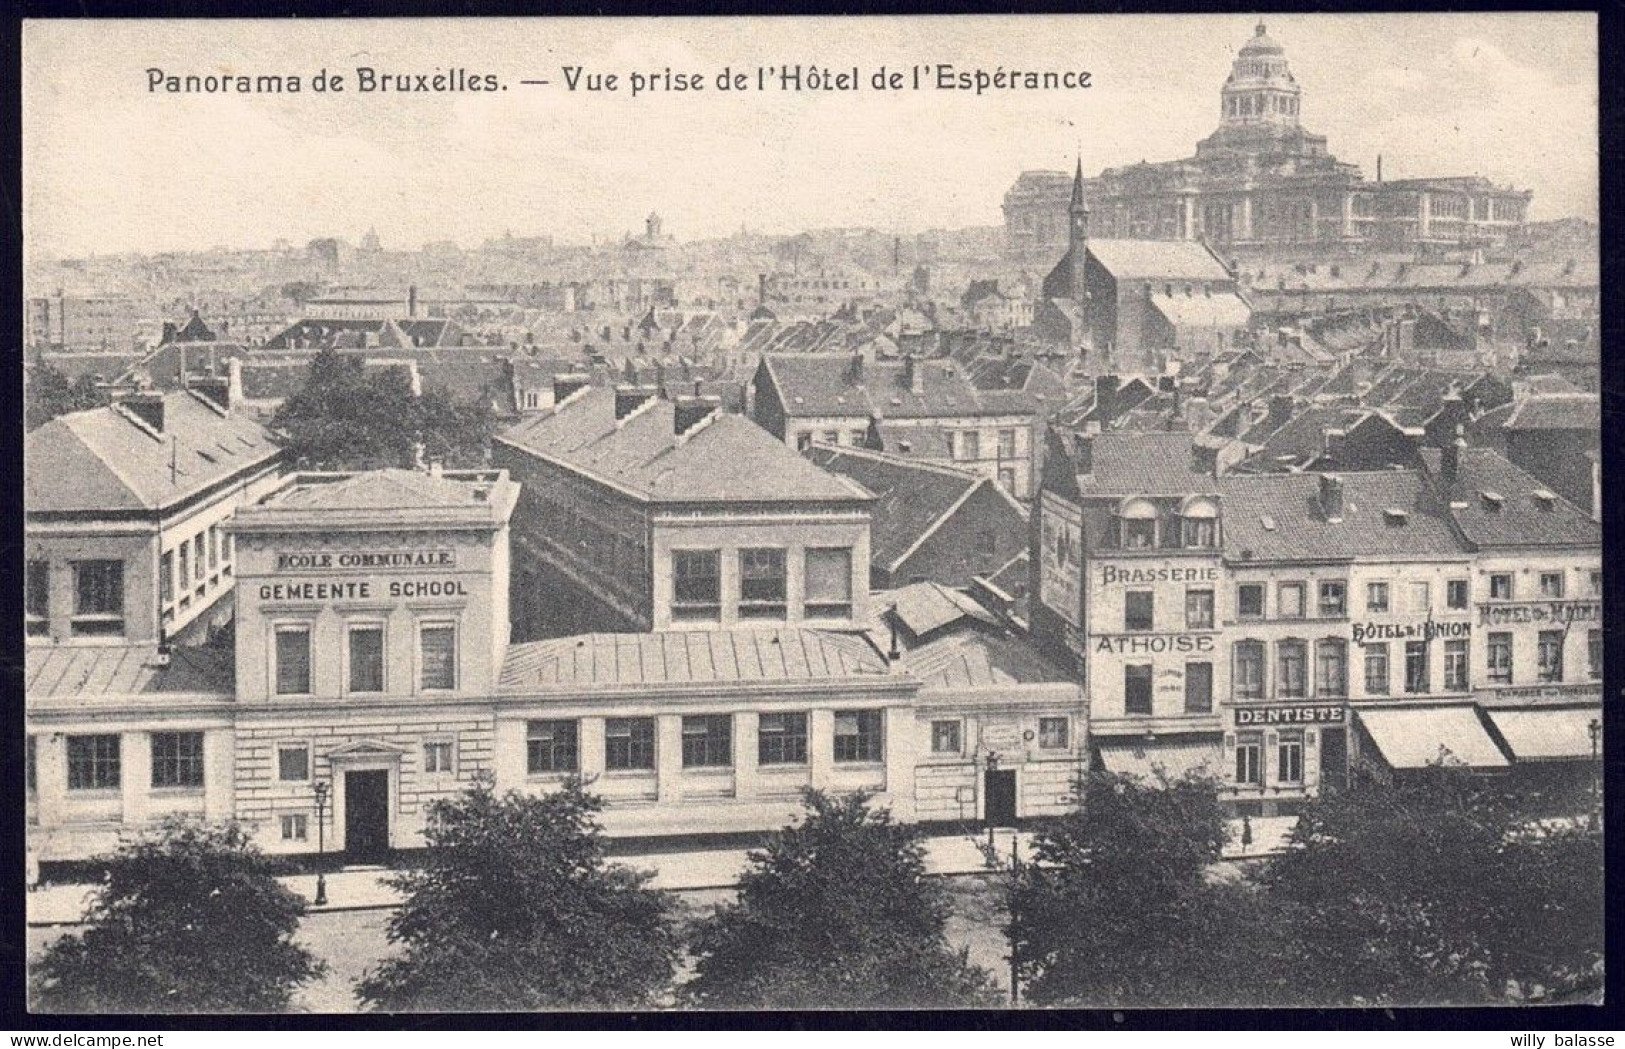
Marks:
<point>363,888</point>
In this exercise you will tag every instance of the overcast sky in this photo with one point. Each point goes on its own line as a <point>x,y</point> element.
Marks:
<point>110,167</point>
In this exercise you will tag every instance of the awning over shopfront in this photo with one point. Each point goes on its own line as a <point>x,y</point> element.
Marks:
<point>1546,735</point>
<point>1143,758</point>
<point>1416,737</point>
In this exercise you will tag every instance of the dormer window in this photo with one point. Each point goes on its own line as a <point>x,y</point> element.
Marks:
<point>1545,500</point>
<point>1395,517</point>
<point>1492,502</point>
<point>1138,522</point>
<point>1199,524</point>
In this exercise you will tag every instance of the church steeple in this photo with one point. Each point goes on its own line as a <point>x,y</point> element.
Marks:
<point>1078,236</point>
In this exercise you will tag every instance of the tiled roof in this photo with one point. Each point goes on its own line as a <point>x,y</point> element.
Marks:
<point>388,489</point>
<point>689,656</point>
<point>923,608</point>
<point>1517,518</point>
<point>911,498</point>
<point>125,670</point>
<point>975,658</point>
<point>100,459</point>
<point>1560,411</point>
<point>1157,260</point>
<point>1143,464</point>
<point>728,459</point>
<point>824,385</point>
<point>1224,310</point>
<point>1278,517</point>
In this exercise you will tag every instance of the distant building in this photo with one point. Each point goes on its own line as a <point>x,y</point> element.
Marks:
<point>79,323</point>
<point>1261,182</point>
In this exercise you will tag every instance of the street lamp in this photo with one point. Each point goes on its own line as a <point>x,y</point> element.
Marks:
<point>1595,729</point>
<point>321,788</point>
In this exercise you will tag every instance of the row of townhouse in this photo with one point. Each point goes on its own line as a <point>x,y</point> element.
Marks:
<point>1279,630</point>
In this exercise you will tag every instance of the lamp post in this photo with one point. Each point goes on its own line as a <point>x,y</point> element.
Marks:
<point>321,788</point>
<point>1595,729</point>
<point>987,817</point>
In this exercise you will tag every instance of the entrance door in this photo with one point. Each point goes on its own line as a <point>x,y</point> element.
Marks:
<point>1001,798</point>
<point>1334,758</point>
<point>366,816</point>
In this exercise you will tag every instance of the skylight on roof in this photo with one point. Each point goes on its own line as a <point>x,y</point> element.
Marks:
<point>1267,521</point>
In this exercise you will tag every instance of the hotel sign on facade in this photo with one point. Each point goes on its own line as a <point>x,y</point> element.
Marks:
<point>1557,613</point>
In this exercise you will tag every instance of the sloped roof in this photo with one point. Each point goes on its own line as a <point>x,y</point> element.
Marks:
<point>1141,463</point>
<point>613,661</point>
<point>1520,520</point>
<point>728,459</point>
<point>1157,260</point>
<point>1278,517</point>
<point>1557,411</point>
<point>975,658</point>
<point>74,671</point>
<point>911,498</point>
<point>825,385</point>
<point>1224,310</point>
<point>101,460</point>
<point>387,489</point>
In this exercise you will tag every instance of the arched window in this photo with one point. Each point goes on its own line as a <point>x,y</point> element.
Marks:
<point>1331,668</point>
<point>1137,520</point>
<point>1199,523</point>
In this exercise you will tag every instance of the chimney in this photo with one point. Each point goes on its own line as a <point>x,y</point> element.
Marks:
<point>913,373</point>
<point>1105,399</point>
<point>1084,453</point>
<point>418,448</point>
<point>567,384</point>
<point>854,369</point>
<point>436,467</point>
<point>761,289</point>
<point>629,399</point>
<point>1331,497</point>
<point>234,377</point>
<point>146,405</point>
<point>412,300</point>
<point>692,412</point>
<point>169,333</point>
<point>1450,462</point>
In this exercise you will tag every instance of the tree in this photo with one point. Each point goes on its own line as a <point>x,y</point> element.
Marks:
<point>1439,889</point>
<point>1120,907</point>
<point>347,418</point>
<point>515,908</point>
<point>51,393</point>
<point>189,919</point>
<point>835,913</point>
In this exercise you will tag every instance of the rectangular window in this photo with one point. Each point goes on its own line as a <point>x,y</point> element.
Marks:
<point>1199,610</point>
<point>1199,532</point>
<point>37,599</point>
<point>1594,654</point>
<point>366,659</point>
<point>1551,585</point>
<point>1376,597</point>
<point>1139,533</point>
<point>1007,444</point>
<point>629,744</point>
<point>214,547</point>
<point>93,762</point>
<point>829,583</point>
<point>1198,688</point>
<point>859,736</point>
<point>1289,757</point>
<point>551,746</point>
<point>696,584</point>
<point>98,598</point>
<point>1054,733</point>
<point>1331,669</point>
<point>1416,667</point>
<point>708,741</point>
<point>437,657</point>
<point>1007,478</point>
<point>1376,670</point>
<point>970,444</point>
<point>199,568</point>
<point>1137,689</point>
<point>295,826</point>
<point>185,574</point>
<point>1138,610</point>
<point>1250,601</point>
<point>1289,601</point>
<point>1455,666</point>
<point>177,759</point>
<point>1455,594</point>
<point>1596,582</point>
<point>1333,599</point>
<point>292,660</point>
<point>166,578</point>
<point>1249,670</point>
<point>439,756</point>
<point>761,584</point>
<point>1549,653</point>
<point>293,762</point>
<point>781,739</point>
<point>1249,759</point>
<point>858,438</point>
<point>945,737</point>
<point>30,757</point>
<point>1501,586</point>
<point>1500,658</point>
<point>1421,597</point>
<point>1290,670</point>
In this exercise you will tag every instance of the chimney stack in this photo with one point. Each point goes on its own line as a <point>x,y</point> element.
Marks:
<point>1450,462</point>
<point>146,405</point>
<point>1331,497</point>
<point>566,384</point>
<point>1084,454</point>
<point>913,373</point>
<point>412,300</point>
<point>854,368</point>
<point>1106,400</point>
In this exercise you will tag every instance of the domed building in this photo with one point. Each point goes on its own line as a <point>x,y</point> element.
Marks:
<point>1261,183</point>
